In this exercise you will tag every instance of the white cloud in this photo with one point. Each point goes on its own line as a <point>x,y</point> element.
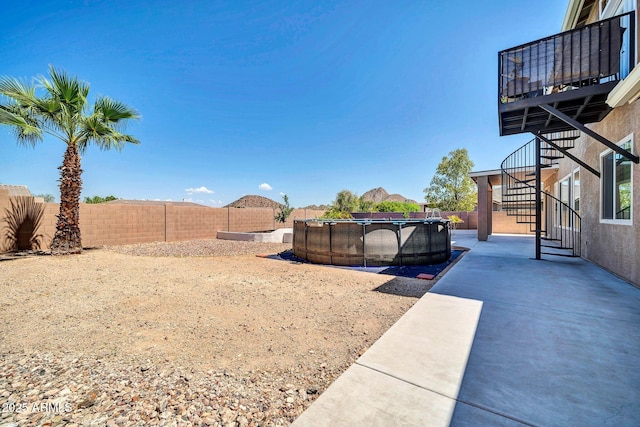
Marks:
<point>282,194</point>
<point>202,189</point>
<point>264,186</point>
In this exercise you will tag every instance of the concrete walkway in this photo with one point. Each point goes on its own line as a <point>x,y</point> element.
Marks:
<point>502,339</point>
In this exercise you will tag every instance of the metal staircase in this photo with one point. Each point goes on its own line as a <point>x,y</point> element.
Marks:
<point>553,87</point>
<point>556,224</point>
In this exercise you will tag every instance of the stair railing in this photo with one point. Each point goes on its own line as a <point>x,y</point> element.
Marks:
<point>560,223</point>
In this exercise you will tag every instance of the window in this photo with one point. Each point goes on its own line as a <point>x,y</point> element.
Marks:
<point>564,198</point>
<point>567,191</point>
<point>617,191</point>
<point>576,191</point>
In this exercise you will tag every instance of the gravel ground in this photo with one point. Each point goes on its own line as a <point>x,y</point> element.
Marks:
<point>203,247</point>
<point>188,333</point>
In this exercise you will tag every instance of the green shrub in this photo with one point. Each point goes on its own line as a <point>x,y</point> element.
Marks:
<point>284,210</point>
<point>455,220</point>
<point>403,207</point>
<point>98,199</point>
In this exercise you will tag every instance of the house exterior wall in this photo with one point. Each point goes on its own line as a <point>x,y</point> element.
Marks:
<point>612,246</point>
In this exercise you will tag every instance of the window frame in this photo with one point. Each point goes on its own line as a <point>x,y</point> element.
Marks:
<point>629,138</point>
<point>575,172</point>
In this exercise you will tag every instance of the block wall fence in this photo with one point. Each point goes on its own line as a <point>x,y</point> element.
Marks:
<point>500,222</point>
<point>122,224</point>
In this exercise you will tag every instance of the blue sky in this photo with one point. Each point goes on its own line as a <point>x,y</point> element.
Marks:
<point>305,98</point>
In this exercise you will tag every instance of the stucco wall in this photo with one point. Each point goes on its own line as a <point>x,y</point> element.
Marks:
<point>612,246</point>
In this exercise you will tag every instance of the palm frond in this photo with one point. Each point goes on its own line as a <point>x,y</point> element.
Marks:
<point>114,111</point>
<point>22,222</point>
<point>25,126</point>
<point>66,89</point>
<point>95,129</point>
<point>18,90</point>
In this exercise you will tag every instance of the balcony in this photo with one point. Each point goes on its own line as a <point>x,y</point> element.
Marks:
<point>572,72</point>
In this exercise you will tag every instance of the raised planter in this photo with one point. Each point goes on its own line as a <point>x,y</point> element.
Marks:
<point>281,235</point>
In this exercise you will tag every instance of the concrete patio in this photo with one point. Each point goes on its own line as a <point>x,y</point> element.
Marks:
<point>502,339</point>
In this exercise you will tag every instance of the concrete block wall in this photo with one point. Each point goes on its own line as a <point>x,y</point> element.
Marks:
<point>501,222</point>
<point>504,224</point>
<point>256,219</point>
<point>190,222</point>
<point>109,224</point>
<point>470,219</point>
<point>121,224</point>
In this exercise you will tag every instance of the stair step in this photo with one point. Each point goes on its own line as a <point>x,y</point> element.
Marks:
<point>564,138</point>
<point>557,247</point>
<point>551,157</point>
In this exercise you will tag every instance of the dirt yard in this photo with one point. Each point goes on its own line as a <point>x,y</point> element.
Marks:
<point>191,333</point>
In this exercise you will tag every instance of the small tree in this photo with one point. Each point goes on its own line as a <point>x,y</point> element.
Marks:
<point>345,203</point>
<point>284,210</point>
<point>48,198</point>
<point>451,189</point>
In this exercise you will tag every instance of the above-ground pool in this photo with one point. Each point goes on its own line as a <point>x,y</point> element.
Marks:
<point>372,242</point>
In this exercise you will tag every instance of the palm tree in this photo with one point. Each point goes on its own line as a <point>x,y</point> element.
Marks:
<point>62,111</point>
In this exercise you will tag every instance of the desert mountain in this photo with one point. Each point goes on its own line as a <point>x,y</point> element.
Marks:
<point>377,195</point>
<point>317,207</point>
<point>253,201</point>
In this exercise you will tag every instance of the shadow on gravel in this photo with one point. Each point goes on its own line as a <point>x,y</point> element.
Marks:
<point>8,256</point>
<point>400,286</point>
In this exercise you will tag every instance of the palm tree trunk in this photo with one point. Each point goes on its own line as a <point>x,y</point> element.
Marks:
<point>66,240</point>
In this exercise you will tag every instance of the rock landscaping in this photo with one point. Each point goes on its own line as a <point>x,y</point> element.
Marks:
<point>190,333</point>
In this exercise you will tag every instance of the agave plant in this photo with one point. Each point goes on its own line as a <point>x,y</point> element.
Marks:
<point>58,106</point>
<point>22,222</point>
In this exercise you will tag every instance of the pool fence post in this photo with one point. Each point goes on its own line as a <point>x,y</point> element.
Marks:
<point>364,244</point>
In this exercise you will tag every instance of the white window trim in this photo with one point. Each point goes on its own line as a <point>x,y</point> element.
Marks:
<point>573,189</point>
<point>558,189</point>
<point>610,9</point>
<point>617,221</point>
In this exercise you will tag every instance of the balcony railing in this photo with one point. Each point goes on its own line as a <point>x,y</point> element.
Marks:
<point>594,54</point>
